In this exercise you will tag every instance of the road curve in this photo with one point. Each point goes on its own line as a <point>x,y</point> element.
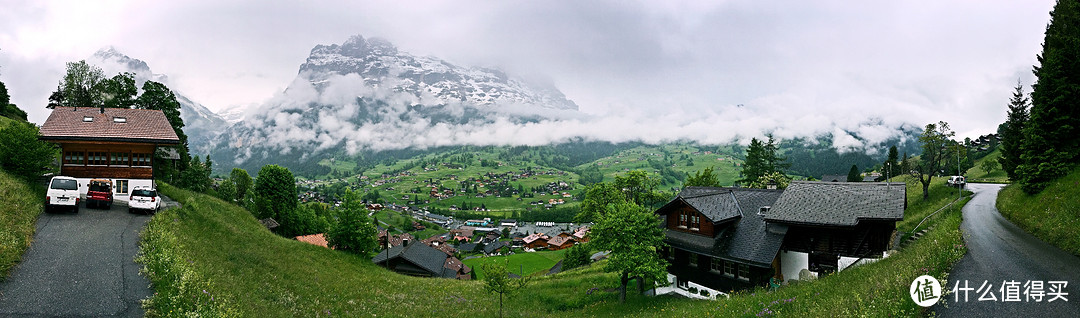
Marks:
<point>999,251</point>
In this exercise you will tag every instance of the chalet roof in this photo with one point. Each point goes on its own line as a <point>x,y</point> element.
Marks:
<point>317,239</point>
<point>748,240</point>
<point>535,236</point>
<point>467,247</point>
<point>717,204</point>
<point>421,255</point>
<point>139,126</point>
<point>839,203</point>
<point>560,240</point>
<point>494,246</point>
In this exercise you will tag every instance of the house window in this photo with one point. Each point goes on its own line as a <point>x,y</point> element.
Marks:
<point>121,186</point>
<point>716,265</point>
<point>87,119</point>
<point>119,120</point>
<point>693,260</point>
<point>140,159</point>
<point>682,219</point>
<point>729,269</point>
<point>684,284</point>
<point>74,158</point>
<point>97,159</point>
<point>744,272</point>
<point>119,159</point>
<point>695,222</point>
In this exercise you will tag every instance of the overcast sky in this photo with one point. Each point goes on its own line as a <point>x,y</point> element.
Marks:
<point>845,62</point>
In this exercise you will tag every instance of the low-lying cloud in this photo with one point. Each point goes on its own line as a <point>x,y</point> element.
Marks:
<point>341,111</point>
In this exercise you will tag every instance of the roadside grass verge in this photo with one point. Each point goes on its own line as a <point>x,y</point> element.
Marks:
<point>213,258</point>
<point>1052,215</point>
<point>529,263</point>
<point>20,205</point>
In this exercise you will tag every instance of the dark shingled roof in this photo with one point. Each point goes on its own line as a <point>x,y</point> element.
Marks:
<point>492,247</point>
<point>717,204</point>
<point>421,255</point>
<point>839,203</point>
<point>140,126</point>
<point>834,178</point>
<point>748,240</point>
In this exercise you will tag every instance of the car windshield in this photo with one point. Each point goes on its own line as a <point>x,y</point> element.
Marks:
<point>144,193</point>
<point>64,184</point>
<point>99,186</point>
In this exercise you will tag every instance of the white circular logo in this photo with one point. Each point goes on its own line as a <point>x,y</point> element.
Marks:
<point>925,291</point>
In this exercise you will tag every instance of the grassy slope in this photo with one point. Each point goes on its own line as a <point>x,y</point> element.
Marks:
<point>20,205</point>
<point>977,174</point>
<point>213,257</point>
<point>1052,215</point>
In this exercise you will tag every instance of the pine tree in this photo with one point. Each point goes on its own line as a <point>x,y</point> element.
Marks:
<point>1050,146</point>
<point>1012,131</point>
<point>853,174</point>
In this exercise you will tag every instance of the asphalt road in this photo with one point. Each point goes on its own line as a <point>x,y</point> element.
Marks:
<point>998,252</point>
<point>79,265</point>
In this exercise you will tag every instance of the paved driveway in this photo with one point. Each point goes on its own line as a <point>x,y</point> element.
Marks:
<point>79,265</point>
<point>999,251</point>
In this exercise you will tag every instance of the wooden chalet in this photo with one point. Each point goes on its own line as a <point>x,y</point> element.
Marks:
<point>109,143</point>
<point>535,240</point>
<point>729,239</point>
<point>717,239</point>
<point>560,242</point>
<point>418,259</point>
<point>833,220</point>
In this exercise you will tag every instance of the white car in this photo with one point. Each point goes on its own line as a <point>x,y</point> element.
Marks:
<point>956,181</point>
<point>144,199</point>
<point>63,192</point>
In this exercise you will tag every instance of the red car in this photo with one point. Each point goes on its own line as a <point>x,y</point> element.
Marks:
<point>99,193</point>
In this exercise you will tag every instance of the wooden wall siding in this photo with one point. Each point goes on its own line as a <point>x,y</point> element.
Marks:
<point>108,147</point>
<point>107,172</point>
<point>707,227</point>
<point>705,276</point>
<point>868,239</point>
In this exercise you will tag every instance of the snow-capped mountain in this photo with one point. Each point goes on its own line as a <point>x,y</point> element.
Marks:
<point>379,63</point>
<point>200,124</point>
<point>365,94</point>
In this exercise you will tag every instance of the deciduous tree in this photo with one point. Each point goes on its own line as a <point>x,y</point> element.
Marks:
<point>633,235</point>
<point>497,280</point>
<point>275,192</point>
<point>21,153</point>
<point>704,178</point>
<point>243,183</point>
<point>934,140</point>
<point>353,232</point>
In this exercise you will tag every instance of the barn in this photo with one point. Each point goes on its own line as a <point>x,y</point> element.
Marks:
<point>109,143</point>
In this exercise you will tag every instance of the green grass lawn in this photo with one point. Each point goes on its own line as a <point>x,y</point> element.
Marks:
<point>20,205</point>
<point>997,175</point>
<point>214,259</point>
<point>527,263</point>
<point>1052,215</point>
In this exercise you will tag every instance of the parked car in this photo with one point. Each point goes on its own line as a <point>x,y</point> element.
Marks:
<point>956,181</point>
<point>63,193</point>
<point>99,193</point>
<point>144,199</point>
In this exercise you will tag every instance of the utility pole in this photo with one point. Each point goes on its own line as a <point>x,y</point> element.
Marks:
<point>959,188</point>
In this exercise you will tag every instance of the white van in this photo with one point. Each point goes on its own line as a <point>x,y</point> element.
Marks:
<point>63,193</point>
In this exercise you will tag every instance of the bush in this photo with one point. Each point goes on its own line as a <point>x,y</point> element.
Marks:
<point>21,153</point>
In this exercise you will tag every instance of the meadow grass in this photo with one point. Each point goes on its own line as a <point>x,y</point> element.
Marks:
<point>213,258</point>
<point>1052,215</point>
<point>20,205</point>
<point>996,175</point>
<point>521,263</point>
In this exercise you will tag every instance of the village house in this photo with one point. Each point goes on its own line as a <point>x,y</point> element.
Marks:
<point>109,143</point>
<point>422,260</point>
<point>535,240</point>
<point>560,242</point>
<point>724,239</point>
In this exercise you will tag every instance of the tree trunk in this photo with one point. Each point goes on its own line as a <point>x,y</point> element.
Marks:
<point>622,289</point>
<point>926,187</point>
<point>500,305</point>
<point>641,285</point>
